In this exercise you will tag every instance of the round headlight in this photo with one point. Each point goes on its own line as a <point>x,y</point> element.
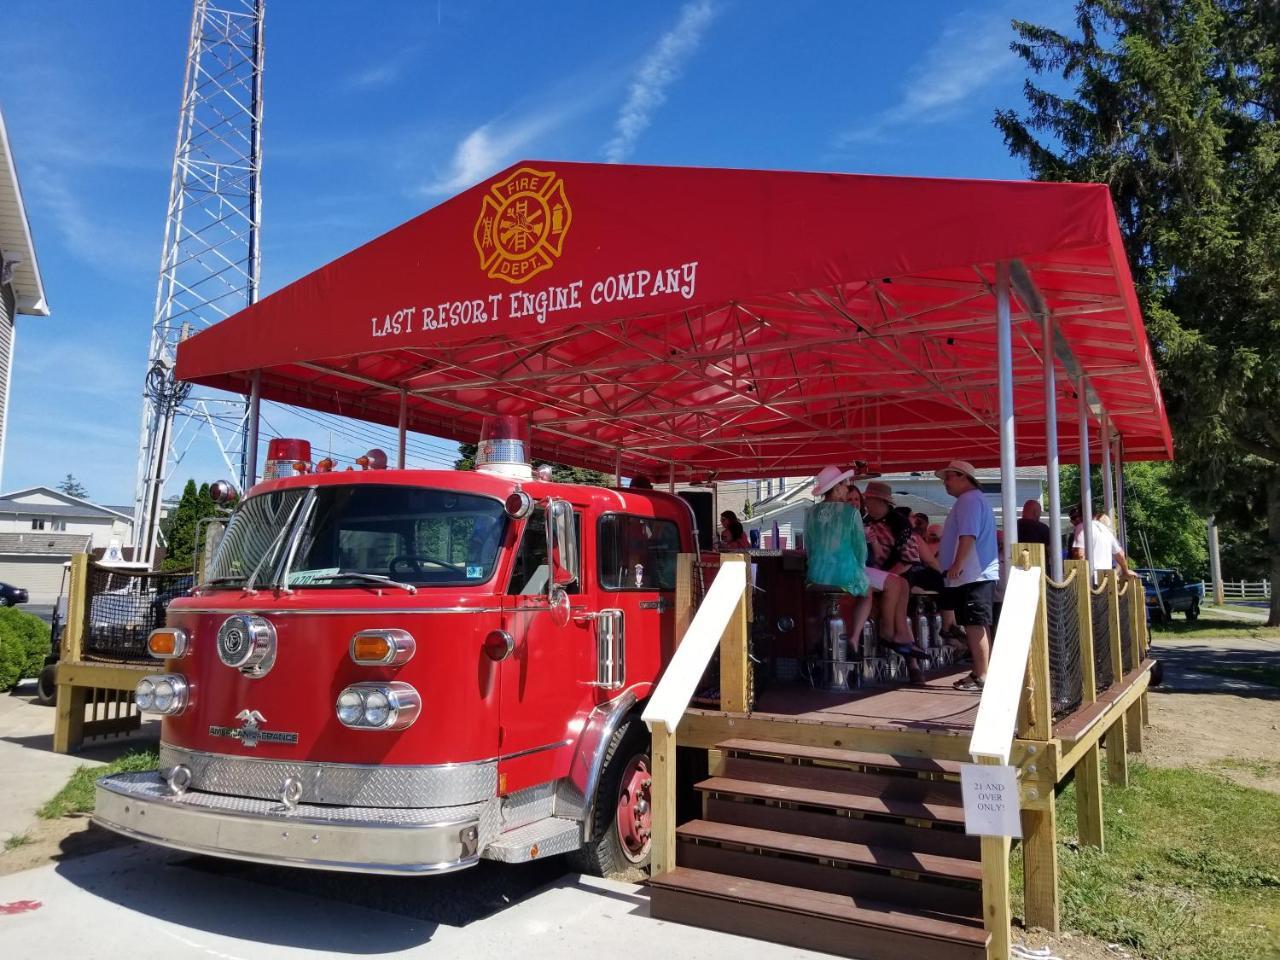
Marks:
<point>164,696</point>
<point>377,708</point>
<point>350,707</point>
<point>144,695</point>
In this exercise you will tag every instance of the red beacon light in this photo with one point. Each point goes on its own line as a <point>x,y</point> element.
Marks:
<point>504,447</point>
<point>375,459</point>
<point>286,457</point>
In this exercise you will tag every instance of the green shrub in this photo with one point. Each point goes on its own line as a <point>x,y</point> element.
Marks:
<point>24,643</point>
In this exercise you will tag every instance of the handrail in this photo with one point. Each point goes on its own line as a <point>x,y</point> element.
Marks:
<point>996,722</point>
<point>680,679</point>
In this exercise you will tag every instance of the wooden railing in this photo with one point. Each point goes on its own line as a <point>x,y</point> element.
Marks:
<point>720,623</point>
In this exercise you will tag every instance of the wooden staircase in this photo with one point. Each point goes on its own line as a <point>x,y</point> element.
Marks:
<point>857,854</point>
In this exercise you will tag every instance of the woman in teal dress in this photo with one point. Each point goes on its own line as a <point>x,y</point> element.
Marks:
<point>837,548</point>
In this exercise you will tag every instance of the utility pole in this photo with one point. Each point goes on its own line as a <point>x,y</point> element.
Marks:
<point>1215,562</point>
<point>211,259</point>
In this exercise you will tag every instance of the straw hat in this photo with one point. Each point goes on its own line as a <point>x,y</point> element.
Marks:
<point>827,478</point>
<point>956,466</point>
<point>879,491</point>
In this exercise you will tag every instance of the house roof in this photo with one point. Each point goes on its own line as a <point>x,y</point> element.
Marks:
<point>70,507</point>
<point>40,542</point>
<point>726,323</point>
<point>16,244</point>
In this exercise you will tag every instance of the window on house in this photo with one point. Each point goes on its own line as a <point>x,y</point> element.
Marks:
<point>782,484</point>
<point>37,524</point>
<point>59,524</point>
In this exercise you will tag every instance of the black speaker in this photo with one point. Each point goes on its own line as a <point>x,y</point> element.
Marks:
<point>703,504</point>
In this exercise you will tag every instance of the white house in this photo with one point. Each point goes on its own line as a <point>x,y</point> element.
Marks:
<point>21,290</point>
<point>784,502</point>
<point>40,528</point>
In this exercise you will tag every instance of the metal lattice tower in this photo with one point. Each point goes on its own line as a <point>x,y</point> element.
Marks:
<point>210,264</point>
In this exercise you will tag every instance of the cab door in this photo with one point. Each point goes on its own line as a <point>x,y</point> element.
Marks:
<point>637,575</point>
<point>547,679</point>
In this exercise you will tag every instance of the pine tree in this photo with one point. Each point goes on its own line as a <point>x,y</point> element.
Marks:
<point>73,487</point>
<point>1173,104</point>
<point>180,527</point>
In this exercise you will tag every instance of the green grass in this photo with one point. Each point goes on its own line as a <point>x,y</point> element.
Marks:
<point>1253,672</point>
<point>21,840</point>
<point>1208,627</point>
<point>1191,869</point>
<point>77,795</point>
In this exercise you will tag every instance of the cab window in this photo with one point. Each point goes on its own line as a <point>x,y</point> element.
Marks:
<point>638,553</point>
<point>530,570</point>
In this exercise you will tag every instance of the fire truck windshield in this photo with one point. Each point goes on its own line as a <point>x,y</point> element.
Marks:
<point>412,535</point>
<point>254,540</point>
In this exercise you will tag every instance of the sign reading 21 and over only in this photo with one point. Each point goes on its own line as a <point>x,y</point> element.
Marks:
<point>991,806</point>
<point>521,230</point>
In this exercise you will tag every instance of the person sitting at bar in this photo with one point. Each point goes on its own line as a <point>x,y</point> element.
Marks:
<point>836,548</point>
<point>732,536</point>
<point>890,553</point>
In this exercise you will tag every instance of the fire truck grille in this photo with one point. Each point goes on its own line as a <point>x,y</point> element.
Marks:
<point>338,784</point>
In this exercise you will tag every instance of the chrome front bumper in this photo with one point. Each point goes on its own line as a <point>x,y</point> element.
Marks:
<point>362,839</point>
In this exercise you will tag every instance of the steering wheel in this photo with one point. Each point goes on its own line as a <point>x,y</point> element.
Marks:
<point>413,563</point>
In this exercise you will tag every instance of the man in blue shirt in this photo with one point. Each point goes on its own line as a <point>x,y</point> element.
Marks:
<point>970,563</point>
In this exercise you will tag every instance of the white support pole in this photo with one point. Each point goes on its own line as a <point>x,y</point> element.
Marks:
<point>1051,447</point>
<point>617,468</point>
<point>1008,443</point>
<point>401,428</point>
<point>1108,491</point>
<point>251,437</point>
<point>1086,490</point>
<point>671,478</point>
<point>1122,530</point>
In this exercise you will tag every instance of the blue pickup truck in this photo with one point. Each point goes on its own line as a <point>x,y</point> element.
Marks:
<point>1168,593</point>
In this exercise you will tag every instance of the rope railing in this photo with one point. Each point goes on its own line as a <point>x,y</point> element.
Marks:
<point>1126,627</point>
<point>122,607</point>
<point>1066,684</point>
<point>1100,615</point>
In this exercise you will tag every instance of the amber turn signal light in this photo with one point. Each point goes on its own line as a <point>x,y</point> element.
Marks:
<point>382,648</point>
<point>167,642</point>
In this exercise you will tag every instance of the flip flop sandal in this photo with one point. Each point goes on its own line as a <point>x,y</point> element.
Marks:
<point>969,683</point>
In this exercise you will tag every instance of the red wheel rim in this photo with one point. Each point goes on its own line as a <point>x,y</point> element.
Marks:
<point>635,817</point>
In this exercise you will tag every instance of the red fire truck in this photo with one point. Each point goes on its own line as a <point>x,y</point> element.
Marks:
<point>404,671</point>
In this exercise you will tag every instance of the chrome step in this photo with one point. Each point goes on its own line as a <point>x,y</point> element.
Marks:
<point>534,841</point>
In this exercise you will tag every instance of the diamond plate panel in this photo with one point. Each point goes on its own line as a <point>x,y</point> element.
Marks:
<point>150,786</point>
<point>552,836</point>
<point>341,784</point>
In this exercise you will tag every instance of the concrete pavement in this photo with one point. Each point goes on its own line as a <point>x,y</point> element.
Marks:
<point>32,772</point>
<point>141,900</point>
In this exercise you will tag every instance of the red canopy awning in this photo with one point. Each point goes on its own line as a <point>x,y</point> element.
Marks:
<point>735,323</point>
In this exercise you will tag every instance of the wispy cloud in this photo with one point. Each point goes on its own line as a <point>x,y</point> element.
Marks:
<point>385,73</point>
<point>972,52</point>
<point>489,148</point>
<point>108,247</point>
<point>660,69</point>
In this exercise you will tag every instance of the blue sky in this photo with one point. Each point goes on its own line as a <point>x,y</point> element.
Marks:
<point>371,118</point>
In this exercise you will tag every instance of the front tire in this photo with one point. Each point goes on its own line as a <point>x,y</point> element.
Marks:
<point>622,816</point>
<point>1193,611</point>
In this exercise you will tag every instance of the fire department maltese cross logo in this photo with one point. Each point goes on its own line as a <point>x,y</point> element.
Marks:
<point>522,225</point>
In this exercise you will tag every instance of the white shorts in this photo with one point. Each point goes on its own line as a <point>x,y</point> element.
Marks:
<point>877,578</point>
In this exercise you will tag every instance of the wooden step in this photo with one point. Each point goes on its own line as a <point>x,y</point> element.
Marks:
<point>934,839</point>
<point>848,758</point>
<point>891,797</point>
<point>871,856</point>
<point>827,865</point>
<point>835,923</point>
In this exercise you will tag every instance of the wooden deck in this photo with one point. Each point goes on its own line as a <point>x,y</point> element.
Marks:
<point>934,708</point>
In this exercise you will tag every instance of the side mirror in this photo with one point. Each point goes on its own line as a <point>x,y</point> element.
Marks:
<point>562,544</point>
